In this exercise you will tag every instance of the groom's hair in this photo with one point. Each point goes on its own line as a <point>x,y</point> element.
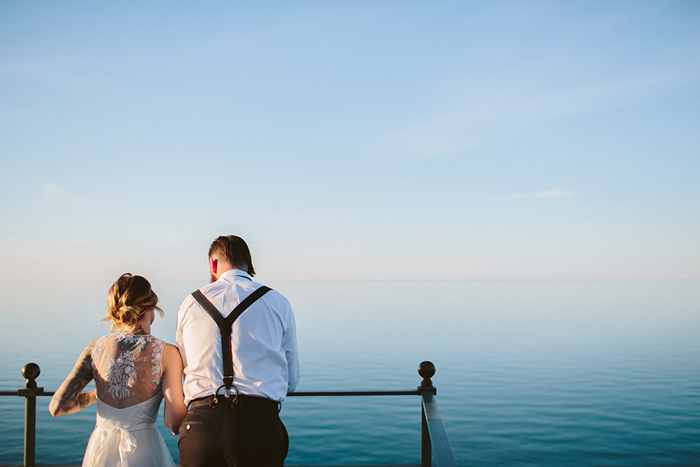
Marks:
<point>233,249</point>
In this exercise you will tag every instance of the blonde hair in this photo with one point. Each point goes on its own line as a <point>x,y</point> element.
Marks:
<point>129,299</point>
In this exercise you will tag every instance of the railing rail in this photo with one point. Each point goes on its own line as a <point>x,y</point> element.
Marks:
<point>433,435</point>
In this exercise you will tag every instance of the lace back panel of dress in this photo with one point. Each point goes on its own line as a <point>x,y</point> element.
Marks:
<point>127,368</point>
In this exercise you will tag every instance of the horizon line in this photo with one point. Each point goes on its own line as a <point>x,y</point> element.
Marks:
<point>579,279</point>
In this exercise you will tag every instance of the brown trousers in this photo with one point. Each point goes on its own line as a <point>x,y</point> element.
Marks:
<point>247,433</point>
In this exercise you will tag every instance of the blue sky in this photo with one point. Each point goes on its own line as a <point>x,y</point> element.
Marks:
<point>351,140</point>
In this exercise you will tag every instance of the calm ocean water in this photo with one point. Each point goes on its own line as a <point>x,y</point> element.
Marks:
<point>528,373</point>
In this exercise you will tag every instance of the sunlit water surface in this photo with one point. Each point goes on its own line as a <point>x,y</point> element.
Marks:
<point>528,373</point>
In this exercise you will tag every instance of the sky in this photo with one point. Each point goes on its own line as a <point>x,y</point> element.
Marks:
<point>351,140</point>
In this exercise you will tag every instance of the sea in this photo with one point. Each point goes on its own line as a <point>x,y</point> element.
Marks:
<point>541,373</point>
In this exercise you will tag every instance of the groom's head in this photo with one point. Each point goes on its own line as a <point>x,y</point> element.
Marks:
<point>229,252</point>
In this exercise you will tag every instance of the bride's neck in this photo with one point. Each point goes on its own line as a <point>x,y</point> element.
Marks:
<point>143,326</point>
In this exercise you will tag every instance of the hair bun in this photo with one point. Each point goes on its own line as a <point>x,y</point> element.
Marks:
<point>129,299</point>
<point>127,314</point>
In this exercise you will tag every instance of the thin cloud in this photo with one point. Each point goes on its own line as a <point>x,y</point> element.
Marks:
<point>47,70</point>
<point>480,121</point>
<point>51,191</point>
<point>553,193</point>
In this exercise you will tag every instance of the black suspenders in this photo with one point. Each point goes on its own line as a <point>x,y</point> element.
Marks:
<point>225,325</point>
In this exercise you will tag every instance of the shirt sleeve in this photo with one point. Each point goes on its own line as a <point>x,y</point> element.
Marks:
<point>289,344</point>
<point>178,330</point>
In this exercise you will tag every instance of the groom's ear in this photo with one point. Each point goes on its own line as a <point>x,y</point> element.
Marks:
<point>213,265</point>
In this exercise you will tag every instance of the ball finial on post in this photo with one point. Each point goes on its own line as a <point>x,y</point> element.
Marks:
<point>426,370</point>
<point>31,372</point>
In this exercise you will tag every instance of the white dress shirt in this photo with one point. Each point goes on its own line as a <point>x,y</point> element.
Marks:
<point>263,341</point>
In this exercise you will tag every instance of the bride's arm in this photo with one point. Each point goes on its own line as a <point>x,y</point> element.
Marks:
<point>69,398</point>
<point>175,409</point>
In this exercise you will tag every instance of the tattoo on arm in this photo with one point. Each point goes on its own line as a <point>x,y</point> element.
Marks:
<point>68,398</point>
<point>83,400</point>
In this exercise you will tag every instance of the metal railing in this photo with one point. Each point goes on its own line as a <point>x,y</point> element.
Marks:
<point>433,435</point>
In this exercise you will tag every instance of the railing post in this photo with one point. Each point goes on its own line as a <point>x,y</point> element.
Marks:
<point>426,370</point>
<point>31,373</point>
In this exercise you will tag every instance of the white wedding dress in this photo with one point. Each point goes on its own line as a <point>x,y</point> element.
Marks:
<point>127,370</point>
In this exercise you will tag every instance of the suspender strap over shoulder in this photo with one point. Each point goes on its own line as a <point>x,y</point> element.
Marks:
<point>226,324</point>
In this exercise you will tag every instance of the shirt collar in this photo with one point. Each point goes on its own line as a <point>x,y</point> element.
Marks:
<point>233,273</point>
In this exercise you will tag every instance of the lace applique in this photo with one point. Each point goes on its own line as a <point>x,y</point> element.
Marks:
<point>130,363</point>
<point>121,375</point>
<point>121,372</point>
<point>96,352</point>
<point>156,358</point>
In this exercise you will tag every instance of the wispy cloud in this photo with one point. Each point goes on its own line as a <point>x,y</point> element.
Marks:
<point>478,121</point>
<point>553,193</point>
<point>47,70</point>
<point>51,191</point>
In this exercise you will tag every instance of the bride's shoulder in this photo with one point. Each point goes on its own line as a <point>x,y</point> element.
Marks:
<point>171,354</point>
<point>100,339</point>
<point>170,348</point>
<point>98,343</point>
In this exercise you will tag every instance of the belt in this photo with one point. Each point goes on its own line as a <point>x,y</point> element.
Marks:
<point>241,400</point>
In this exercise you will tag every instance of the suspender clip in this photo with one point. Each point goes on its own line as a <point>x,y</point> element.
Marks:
<point>228,391</point>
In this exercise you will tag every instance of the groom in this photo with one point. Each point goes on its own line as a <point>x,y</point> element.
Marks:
<point>238,343</point>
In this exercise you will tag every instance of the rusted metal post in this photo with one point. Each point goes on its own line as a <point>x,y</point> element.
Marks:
<point>426,370</point>
<point>31,373</point>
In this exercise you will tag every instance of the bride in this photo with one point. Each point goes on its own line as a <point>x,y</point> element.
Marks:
<point>133,371</point>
